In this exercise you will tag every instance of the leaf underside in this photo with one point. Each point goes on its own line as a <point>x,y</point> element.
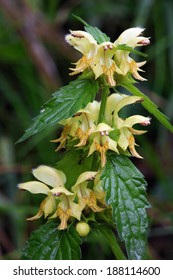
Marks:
<point>125,192</point>
<point>49,243</point>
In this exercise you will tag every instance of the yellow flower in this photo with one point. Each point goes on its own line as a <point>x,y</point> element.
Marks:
<point>115,133</point>
<point>63,138</point>
<point>99,58</point>
<point>51,184</point>
<point>125,126</point>
<point>66,209</point>
<point>104,63</point>
<point>86,196</point>
<point>101,142</point>
<point>84,43</point>
<point>111,104</point>
<point>79,126</point>
<point>134,67</point>
<point>131,38</point>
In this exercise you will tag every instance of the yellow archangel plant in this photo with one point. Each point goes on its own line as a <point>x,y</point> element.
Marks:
<point>94,186</point>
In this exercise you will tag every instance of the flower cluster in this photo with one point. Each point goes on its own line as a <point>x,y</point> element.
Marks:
<point>60,202</point>
<point>108,58</point>
<point>93,129</point>
<point>115,133</point>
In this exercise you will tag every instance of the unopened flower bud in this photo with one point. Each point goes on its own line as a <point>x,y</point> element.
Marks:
<point>83,229</point>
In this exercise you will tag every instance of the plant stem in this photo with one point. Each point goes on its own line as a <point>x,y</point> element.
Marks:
<point>107,235</point>
<point>116,249</point>
<point>105,93</point>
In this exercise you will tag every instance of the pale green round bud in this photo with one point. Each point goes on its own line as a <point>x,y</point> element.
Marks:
<point>83,229</point>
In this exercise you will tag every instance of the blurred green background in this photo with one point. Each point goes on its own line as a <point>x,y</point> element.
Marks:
<point>34,62</point>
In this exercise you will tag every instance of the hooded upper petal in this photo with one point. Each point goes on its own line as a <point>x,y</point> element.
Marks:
<point>92,111</point>
<point>82,41</point>
<point>49,176</point>
<point>85,176</point>
<point>129,122</point>
<point>126,100</point>
<point>129,36</point>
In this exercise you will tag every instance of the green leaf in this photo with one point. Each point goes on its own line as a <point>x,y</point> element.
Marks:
<point>64,103</point>
<point>49,243</point>
<point>148,104</point>
<point>124,47</point>
<point>97,34</point>
<point>125,192</point>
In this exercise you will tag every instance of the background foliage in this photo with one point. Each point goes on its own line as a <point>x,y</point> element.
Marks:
<point>34,62</point>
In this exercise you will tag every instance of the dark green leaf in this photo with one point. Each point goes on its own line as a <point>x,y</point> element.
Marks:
<point>64,103</point>
<point>148,104</point>
<point>125,192</point>
<point>97,34</point>
<point>49,243</point>
<point>124,47</point>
